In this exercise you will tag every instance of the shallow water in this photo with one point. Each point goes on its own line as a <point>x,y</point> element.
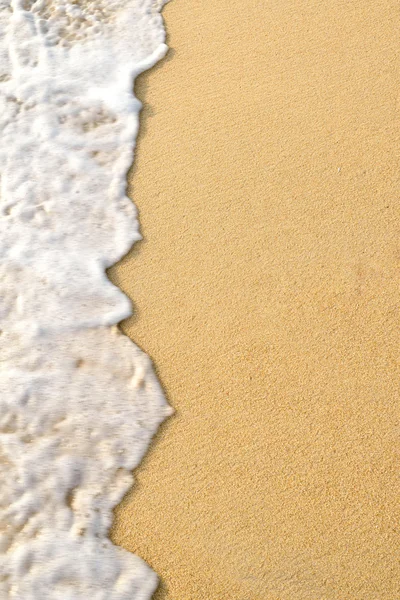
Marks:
<point>79,402</point>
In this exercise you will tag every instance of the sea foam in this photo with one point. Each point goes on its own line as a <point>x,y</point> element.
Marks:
<point>79,402</point>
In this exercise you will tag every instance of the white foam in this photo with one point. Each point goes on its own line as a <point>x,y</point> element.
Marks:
<point>79,402</point>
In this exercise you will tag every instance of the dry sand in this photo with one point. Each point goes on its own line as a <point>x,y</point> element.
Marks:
<point>266,291</point>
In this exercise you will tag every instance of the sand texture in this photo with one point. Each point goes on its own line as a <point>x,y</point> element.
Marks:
<point>266,291</point>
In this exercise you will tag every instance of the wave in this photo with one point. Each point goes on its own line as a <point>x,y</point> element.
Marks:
<point>79,402</point>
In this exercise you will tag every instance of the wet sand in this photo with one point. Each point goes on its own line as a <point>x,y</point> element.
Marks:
<point>266,291</point>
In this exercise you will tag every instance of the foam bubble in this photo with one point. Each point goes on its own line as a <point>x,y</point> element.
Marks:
<point>79,402</point>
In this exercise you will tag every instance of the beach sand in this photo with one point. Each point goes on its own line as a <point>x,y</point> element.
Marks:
<point>266,291</point>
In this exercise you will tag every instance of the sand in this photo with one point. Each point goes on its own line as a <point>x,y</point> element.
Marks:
<point>266,291</point>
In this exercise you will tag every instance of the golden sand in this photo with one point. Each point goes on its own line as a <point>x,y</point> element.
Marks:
<point>266,291</point>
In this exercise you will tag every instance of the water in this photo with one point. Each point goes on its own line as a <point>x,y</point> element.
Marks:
<point>79,402</point>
